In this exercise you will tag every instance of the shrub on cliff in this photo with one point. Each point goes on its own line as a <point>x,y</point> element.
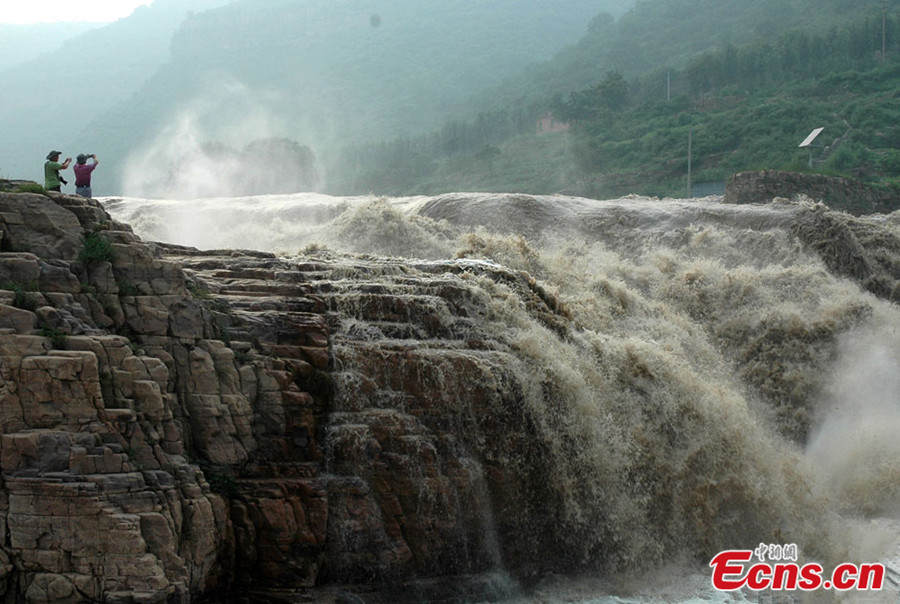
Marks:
<point>23,299</point>
<point>30,187</point>
<point>57,338</point>
<point>95,249</point>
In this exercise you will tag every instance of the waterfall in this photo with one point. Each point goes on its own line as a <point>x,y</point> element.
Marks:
<point>628,383</point>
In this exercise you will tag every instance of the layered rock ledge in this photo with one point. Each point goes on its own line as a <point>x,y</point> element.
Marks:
<point>178,425</point>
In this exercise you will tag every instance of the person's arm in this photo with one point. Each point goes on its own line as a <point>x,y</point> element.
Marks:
<point>96,161</point>
<point>66,163</point>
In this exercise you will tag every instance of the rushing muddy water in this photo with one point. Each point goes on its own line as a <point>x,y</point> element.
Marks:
<point>725,376</point>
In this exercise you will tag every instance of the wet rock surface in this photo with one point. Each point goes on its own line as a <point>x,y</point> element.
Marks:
<point>183,425</point>
<point>177,423</point>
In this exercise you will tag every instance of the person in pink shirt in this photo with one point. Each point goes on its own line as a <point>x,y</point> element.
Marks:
<point>83,172</point>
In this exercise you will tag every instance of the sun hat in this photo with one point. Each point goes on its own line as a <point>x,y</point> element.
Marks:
<point>53,154</point>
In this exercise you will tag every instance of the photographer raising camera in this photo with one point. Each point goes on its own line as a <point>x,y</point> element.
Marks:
<point>83,172</point>
<point>52,180</point>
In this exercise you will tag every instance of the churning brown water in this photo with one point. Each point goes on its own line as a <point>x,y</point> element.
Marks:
<point>712,377</point>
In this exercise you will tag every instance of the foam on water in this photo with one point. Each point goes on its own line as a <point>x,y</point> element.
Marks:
<point>729,375</point>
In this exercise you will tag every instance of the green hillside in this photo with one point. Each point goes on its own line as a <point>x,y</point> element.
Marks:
<point>662,35</point>
<point>47,101</point>
<point>410,97</point>
<point>744,106</point>
<point>325,72</point>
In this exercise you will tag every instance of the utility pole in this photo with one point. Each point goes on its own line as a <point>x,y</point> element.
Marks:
<point>808,142</point>
<point>690,140</point>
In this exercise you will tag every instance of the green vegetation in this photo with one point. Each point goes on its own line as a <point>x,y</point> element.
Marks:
<point>127,288</point>
<point>660,36</point>
<point>198,291</point>
<point>748,108</point>
<point>743,107</point>
<point>323,73</point>
<point>39,97</point>
<point>95,249</point>
<point>24,297</point>
<point>30,187</point>
<point>57,337</point>
<point>224,334</point>
<point>385,100</point>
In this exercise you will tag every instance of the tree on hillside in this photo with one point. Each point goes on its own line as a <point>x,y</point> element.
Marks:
<point>613,91</point>
<point>610,95</point>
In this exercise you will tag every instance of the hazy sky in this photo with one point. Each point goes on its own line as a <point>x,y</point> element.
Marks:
<point>44,11</point>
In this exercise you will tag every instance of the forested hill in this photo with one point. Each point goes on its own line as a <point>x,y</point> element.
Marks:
<point>47,101</point>
<point>321,71</point>
<point>408,97</point>
<point>662,35</point>
<point>744,84</point>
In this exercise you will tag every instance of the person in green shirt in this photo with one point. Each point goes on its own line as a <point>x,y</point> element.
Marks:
<point>52,180</point>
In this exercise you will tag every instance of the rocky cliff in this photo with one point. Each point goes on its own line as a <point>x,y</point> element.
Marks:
<point>100,500</point>
<point>180,425</point>
<point>168,417</point>
<point>839,193</point>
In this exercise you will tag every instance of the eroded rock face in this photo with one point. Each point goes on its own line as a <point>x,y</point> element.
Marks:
<point>176,423</point>
<point>33,225</point>
<point>384,428</point>
<point>181,425</point>
<point>99,500</point>
<point>844,194</point>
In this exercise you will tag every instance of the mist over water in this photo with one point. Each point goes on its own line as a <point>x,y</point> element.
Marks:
<point>206,147</point>
<point>855,448</point>
<point>720,382</point>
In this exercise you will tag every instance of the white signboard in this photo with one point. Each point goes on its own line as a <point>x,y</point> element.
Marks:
<point>812,136</point>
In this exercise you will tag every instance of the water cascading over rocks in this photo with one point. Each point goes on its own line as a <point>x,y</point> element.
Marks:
<point>457,396</point>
